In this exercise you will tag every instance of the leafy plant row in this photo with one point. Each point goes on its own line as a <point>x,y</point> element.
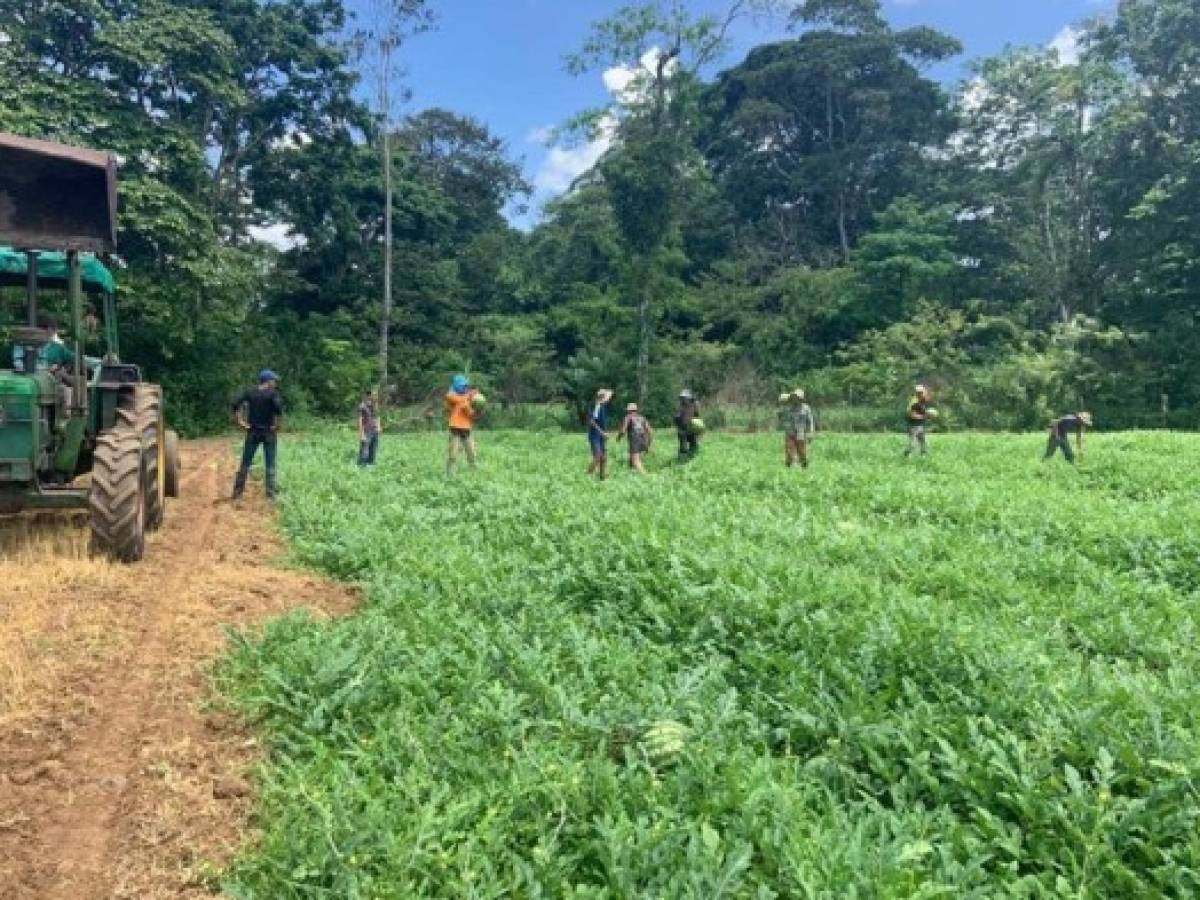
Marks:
<point>971,675</point>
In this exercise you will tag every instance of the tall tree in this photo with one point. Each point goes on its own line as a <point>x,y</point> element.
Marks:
<point>810,138</point>
<point>663,48</point>
<point>391,23</point>
<point>1033,139</point>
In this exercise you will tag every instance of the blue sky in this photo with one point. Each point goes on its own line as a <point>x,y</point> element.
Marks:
<point>501,61</point>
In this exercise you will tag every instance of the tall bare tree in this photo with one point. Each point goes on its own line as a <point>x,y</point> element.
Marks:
<point>389,24</point>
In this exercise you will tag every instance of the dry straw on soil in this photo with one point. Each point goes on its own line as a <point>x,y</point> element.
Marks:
<point>48,606</point>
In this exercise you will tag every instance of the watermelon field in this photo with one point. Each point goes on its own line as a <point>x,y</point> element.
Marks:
<point>971,675</point>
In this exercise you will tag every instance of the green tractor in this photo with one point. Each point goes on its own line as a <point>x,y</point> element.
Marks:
<point>64,415</point>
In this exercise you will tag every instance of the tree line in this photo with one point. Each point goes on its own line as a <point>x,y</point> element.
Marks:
<point>821,212</point>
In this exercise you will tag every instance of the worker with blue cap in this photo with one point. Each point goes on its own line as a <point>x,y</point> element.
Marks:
<point>258,411</point>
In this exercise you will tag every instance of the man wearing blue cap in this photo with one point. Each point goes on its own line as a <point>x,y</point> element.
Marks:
<point>259,413</point>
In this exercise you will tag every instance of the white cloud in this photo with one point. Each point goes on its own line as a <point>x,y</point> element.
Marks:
<point>564,164</point>
<point>1066,43</point>
<point>618,78</point>
<point>278,235</point>
<point>625,83</point>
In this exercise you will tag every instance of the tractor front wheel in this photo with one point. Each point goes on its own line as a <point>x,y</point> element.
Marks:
<point>117,499</point>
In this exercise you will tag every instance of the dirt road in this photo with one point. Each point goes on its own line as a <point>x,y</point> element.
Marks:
<point>114,780</point>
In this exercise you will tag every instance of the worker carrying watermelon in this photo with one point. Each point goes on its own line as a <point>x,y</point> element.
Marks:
<point>688,425</point>
<point>465,405</point>
<point>920,413</point>
<point>799,425</point>
<point>1061,430</point>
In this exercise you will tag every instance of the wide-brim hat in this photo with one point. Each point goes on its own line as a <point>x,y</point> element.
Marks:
<point>632,407</point>
<point>686,394</point>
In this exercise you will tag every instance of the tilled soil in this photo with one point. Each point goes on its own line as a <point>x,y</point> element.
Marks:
<point>116,781</point>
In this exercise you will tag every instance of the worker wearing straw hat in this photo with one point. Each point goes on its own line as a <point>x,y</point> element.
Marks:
<point>1060,434</point>
<point>920,412</point>
<point>799,426</point>
<point>598,434</point>
<point>641,437</point>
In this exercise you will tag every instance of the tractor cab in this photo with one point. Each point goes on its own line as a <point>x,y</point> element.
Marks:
<point>65,415</point>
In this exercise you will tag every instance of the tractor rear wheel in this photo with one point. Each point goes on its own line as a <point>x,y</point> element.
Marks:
<point>140,410</point>
<point>117,499</point>
<point>171,457</point>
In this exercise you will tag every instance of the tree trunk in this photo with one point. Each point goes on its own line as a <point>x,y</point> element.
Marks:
<point>643,364</point>
<point>843,234</point>
<point>385,320</point>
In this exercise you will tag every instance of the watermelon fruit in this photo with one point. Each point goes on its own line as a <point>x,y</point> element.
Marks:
<point>479,402</point>
<point>663,741</point>
<point>698,426</point>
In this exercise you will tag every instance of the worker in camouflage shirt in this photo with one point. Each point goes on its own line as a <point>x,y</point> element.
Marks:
<point>798,424</point>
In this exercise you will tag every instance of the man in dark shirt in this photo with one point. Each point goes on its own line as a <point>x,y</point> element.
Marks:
<point>689,439</point>
<point>259,412</point>
<point>1061,430</point>
<point>920,411</point>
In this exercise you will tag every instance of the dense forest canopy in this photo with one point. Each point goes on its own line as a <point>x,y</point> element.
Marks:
<point>822,211</point>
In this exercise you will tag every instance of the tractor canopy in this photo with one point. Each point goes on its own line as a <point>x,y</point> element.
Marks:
<point>52,271</point>
<point>55,197</point>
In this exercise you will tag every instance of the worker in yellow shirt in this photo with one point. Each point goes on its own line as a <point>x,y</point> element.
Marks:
<point>460,405</point>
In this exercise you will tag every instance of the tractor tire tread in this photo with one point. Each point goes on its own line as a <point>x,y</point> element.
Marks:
<point>117,496</point>
<point>141,411</point>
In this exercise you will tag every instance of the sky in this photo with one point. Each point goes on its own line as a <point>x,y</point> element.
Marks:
<point>501,61</point>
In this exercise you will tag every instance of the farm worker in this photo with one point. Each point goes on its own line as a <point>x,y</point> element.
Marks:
<point>920,411</point>
<point>1060,434</point>
<point>462,413</point>
<point>799,426</point>
<point>598,434</point>
<point>641,437</point>
<point>259,413</point>
<point>369,428</point>
<point>689,438</point>
<point>54,354</point>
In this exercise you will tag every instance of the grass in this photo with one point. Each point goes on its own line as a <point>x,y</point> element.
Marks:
<point>972,675</point>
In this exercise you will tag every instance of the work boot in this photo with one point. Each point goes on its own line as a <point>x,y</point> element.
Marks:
<point>239,483</point>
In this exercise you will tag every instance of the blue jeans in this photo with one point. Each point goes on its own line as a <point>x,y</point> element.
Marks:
<point>256,438</point>
<point>367,449</point>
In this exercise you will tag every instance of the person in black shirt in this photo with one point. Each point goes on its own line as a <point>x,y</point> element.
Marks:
<point>920,411</point>
<point>689,438</point>
<point>1060,434</point>
<point>259,412</point>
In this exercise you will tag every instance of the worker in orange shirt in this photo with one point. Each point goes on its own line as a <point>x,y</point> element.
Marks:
<point>461,408</point>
